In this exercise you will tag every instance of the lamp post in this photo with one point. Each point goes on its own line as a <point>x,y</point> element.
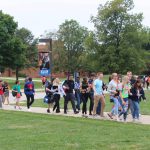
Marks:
<point>49,42</point>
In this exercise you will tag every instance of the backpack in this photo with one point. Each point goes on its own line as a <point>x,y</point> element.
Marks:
<point>14,94</point>
<point>30,87</point>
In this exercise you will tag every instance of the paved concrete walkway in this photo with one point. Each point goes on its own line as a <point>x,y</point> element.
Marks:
<point>144,119</point>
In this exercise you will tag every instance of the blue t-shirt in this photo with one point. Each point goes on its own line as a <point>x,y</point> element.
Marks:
<point>98,86</point>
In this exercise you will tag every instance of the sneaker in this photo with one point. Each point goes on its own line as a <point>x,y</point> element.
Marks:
<point>57,111</point>
<point>15,107</point>
<point>20,108</point>
<point>48,111</point>
<point>65,112</point>
<point>76,112</point>
<point>29,109</point>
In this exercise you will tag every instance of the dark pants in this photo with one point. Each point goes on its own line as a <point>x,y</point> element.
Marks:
<point>30,100</point>
<point>69,97</point>
<point>98,111</point>
<point>84,97</point>
<point>91,97</point>
<point>78,99</point>
<point>147,84</point>
<point>56,100</point>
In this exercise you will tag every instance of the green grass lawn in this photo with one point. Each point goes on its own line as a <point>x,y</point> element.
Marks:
<point>38,85</point>
<point>28,131</point>
<point>144,106</point>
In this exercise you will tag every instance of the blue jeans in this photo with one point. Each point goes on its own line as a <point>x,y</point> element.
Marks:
<point>124,109</point>
<point>136,108</point>
<point>116,105</point>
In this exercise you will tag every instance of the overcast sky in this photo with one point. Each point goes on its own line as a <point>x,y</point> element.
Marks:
<point>41,15</point>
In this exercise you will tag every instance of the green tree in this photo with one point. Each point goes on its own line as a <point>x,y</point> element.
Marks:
<point>117,39</point>
<point>7,30</point>
<point>30,43</point>
<point>73,36</point>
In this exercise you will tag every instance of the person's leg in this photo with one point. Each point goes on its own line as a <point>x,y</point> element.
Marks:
<point>98,110</point>
<point>125,109</point>
<point>96,100</point>
<point>49,106</point>
<point>86,100</point>
<point>102,100</point>
<point>28,101</point>
<point>55,100</point>
<point>134,108</point>
<point>147,83</point>
<point>57,103</point>
<point>83,100</point>
<point>3,98</point>
<point>65,103</point>
<point>0,101</point>
<point>7,98</point>
<point>32,100</point>
<point>91,97</point>
<point>116,106</point>
<point>72,98</point>
<point>137,110</point>
<point>78,100</point>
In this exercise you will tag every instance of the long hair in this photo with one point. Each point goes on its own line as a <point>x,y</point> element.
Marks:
<point>136,84</point>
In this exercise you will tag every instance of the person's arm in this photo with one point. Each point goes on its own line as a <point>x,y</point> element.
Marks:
<point>110,88</point>
<point>94,88</point>
<point>142,94</point>
<point>33,89</point>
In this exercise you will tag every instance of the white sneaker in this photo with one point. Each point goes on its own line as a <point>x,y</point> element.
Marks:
<point>29,109</point>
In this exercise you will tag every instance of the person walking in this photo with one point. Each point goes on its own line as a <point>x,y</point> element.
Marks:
<point>6,93</point>
<point>136,93</point>
<point>113,89</point>
<point>77,93</point>
<point>1,93</point>
<point>125,91</point>
<point>98,94</point>
<point>50,94</point>
<point>68,87</point>
<point>17,90</point>
<point>84,95</point>
<point>91,92</point>
<point>56,94</point>
<point>29,92</point>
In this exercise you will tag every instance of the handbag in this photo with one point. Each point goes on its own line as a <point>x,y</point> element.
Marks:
<point>18,95</point>
<point>14,93</point>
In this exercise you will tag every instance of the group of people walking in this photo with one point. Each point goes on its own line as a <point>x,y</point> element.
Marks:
<point>125,94</point>
<point>16,92</point>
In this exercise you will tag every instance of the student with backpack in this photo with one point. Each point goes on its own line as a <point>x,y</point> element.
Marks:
<point>17,90</point>
<point>29,92</point>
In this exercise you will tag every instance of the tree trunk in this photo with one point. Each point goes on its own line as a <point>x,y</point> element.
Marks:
<point>17,73</point>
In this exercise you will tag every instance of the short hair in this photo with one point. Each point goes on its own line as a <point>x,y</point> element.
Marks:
<point>30,79</point>
<point>129,72</point>
<point>17,82</point>
<point>99,73</point>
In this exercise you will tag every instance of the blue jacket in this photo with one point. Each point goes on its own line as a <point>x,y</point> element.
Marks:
<point>29,88</point>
